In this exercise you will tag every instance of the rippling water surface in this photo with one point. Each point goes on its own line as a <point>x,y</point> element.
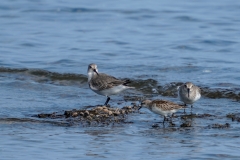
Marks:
<point>45,47</point>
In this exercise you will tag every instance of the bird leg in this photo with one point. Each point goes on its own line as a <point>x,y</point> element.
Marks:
<point>184,108</point>
<point>164,119</point>
<point>108,98</point>
<point>172,117</point>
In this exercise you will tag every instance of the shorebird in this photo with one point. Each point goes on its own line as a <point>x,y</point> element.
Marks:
<point>161,107</point>
<point>104,84</point>
<point>189,93</point>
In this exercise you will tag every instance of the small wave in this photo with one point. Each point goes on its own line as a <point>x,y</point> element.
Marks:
<point>186,47</point>
<point>187,19</point>
<point>65,9</point>
<point>218,42</point>
<point>171,90</point>
<point>31,120</point>
<point>46,74</point>
<point>145,86</point>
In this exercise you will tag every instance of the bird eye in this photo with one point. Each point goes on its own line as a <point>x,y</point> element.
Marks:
<point>185,85</point>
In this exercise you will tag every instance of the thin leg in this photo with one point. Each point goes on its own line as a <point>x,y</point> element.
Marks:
<point>164,119</point>
<point>171,122</point>
<point>172,117</point>
<point>191,108</point>
<point>184,108</point>
<point>108,98</point>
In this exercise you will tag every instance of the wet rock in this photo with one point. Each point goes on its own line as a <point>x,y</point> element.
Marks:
<point>204,115</point>
<point>86,113</point>
<point>104,107</point>
<point>231,115</point>
<point>221,93</point>
<point>44,115</point>
<point>170,89</point>
<point>234,116</point>
<point>133,103</point>
<point>171,124</point>
<point>98,116</point>
<point>74,114</point>
<point>89,118</point>
<point>155,126</point>
<point>98,108</point>
<point>105,110</point>
<point>187,124</point>
<point>110,113</point>
<point>122,112</point>
<point>191,116</point>
<point>53,115</point>
<point>219,126</point>
<point>68,114</point>
<point>128,107</point>
<point>116,113</point>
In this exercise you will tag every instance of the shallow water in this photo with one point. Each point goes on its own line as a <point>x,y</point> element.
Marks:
<point>45,47</point>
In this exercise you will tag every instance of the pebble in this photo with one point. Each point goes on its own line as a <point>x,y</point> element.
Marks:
<point>105,110</point>
<point>110,113</point>
<point>86,113</point>
<point>74,114</point>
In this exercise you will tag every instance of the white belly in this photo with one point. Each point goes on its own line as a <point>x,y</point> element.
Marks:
<point>111,91</point>
<point>161,112</point>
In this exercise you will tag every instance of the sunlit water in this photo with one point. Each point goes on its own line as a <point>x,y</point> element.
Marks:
<point>45,47</point>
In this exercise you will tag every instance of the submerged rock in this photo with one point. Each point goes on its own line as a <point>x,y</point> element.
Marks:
<point>187,124</point>
<point>234,116</point>
<point>155,126</point>
<point>221,93</point>
<point>219,126</point>
<point>53,115</point>
<point>190,116</point>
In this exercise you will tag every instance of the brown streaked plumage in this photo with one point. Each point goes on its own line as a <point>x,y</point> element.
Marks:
<point>161,107</point>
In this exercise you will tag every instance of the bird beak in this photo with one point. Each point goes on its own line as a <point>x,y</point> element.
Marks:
<point>95,71</point>
<point>188,91</point>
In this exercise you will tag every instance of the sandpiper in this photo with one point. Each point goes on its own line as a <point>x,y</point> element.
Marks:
<point>189,93</point>
<point>104,84</point>
<point>161,107</point>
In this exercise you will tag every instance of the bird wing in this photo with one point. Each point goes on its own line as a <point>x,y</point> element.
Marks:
<point>104,81</point>
<point>166,105</point>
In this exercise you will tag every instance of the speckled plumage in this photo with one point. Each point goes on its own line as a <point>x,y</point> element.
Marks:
<point>161,107</point>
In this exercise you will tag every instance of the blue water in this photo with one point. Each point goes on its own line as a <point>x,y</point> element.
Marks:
<point>165,41</point>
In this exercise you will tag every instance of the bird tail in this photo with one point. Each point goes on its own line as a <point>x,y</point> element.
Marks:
<point>126,83</point>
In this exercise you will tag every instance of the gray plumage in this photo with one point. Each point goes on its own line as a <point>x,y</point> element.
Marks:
<point>104,84</point>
